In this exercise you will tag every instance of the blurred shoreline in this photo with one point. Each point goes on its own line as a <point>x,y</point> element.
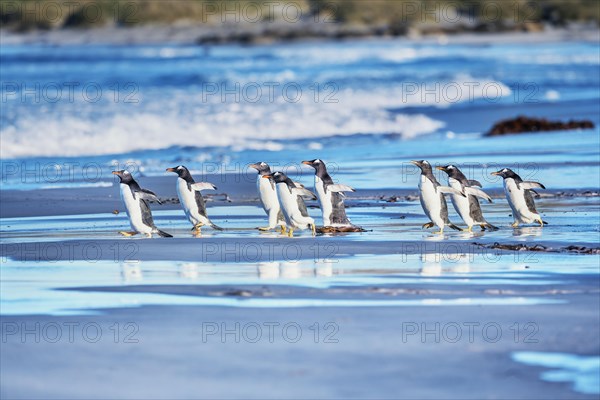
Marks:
<point>203,35</point>
<point>208,22</point>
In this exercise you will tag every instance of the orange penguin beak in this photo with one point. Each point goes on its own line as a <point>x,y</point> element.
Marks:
<point>267,176</point>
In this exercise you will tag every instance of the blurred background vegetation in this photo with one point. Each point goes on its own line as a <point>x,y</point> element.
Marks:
<point>347,17</point>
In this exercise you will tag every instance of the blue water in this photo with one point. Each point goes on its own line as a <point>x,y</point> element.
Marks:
<point>582,371</point>
<point>366,106</point>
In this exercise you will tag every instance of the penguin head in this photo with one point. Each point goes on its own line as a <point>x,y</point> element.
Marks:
<point>451,170</point>
<point>423,165</point>
<point>180,170</point>
<point>314,163</point>
<point>124,176</point>
<point>278,177</point>
<point>505,173</point>
<point>262,167</point>
<point>318,165</point>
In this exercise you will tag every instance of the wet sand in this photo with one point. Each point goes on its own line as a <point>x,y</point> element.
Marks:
<point>367,357</point>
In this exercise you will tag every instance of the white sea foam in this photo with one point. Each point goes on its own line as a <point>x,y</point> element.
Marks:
<point>75,185</point>
<point>182,117</point>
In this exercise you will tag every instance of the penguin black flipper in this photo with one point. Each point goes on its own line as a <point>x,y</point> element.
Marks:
<point>202,209</point>
<point>148,220</point>
<point>200,203</point>
<point>477,215</point>
<point>529,201</point>
<point>444,209</point>
<point>302,206</point>
<point>471,190</point>
<point>338,212</point>
<point>444,213</point>
<point>475,209</point>
<point>301,191</point>
<point>146,214</point>
<point>136,191</point>
<point>530,185</point>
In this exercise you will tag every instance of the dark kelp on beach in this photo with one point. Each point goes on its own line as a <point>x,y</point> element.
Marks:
<point>522,124</point>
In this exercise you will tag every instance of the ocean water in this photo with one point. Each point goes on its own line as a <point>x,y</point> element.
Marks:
<point>583,372</point>
<point>72,114</point>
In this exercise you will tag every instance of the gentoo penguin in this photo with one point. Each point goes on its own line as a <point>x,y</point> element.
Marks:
<point>191,199</point>
<point>518,194</point>
<point>267,194</point>
<point>292,205</point>
<point>134,197</point>
<point>431,194</point>
<point>331,197</point>
<point>468,207</point>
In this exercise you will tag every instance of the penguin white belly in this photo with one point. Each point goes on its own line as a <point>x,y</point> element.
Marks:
<point>134,211</point>
<point>516,200</point>
<point>430,200</point>
<point>289,206</point>
<point>187,198</point>
<point>460,203</point>
<point>268,199</point>
<point>324,201</point>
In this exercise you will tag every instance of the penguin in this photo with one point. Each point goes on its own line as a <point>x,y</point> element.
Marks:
<point>191,199</point>
<point>331,196</point>
<point>291,202</point>
<point>431,194</point>
<point>520,199</point>
<point>468,207</point>
<point>267,194</point>
<point>138,211</point>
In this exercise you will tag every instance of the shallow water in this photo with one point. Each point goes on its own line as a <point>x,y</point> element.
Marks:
<point>583,372</point>
<point>30,287</point>
<point>572,221</point>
